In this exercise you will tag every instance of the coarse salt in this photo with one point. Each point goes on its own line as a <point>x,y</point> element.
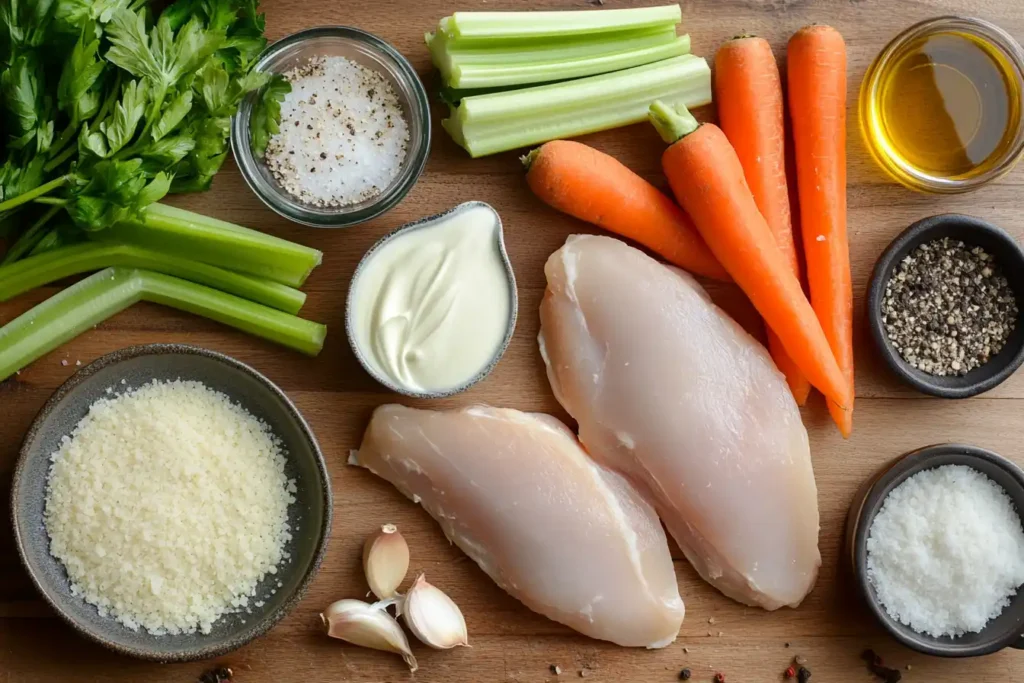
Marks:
<point>167,506</point>
<point>946,551</point>
<point>343,134</point>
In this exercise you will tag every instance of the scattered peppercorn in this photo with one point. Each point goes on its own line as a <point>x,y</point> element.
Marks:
<point>684,675</point>
<point>221,674</point>
<point>555,669</point>
<point>719,678</point>
<point>787,644</point>
<point>790,672</point>
<point>799,660</point>
<point>878,668</point>
<point>948,308</point>
<point>803,675</point>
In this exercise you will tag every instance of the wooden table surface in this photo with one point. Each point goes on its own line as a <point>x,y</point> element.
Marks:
<point>509,642</point>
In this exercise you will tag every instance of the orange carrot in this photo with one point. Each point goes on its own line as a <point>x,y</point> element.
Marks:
<point>816,61</point>
<point>596,188</point>
<point>748,92</point>
<point>707,179</point>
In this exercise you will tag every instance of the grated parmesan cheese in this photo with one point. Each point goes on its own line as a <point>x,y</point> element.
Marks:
<point>946,551</point>
<point>167,505</point>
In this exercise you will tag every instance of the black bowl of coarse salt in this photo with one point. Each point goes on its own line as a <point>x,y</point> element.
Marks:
<point>937,549</point>
<point>944,305</point>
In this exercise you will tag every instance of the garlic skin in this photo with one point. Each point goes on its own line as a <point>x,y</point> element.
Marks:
<point>433,617</point>
<point>367,625</point>
<point>385,561</point>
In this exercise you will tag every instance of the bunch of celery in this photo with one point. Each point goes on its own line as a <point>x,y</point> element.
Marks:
<point>519,78</point>
<point>240,277</point>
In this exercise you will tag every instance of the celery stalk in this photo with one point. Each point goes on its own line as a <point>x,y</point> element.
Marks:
<point>175,231</point>
<point>566,23</point>
<point>51,266</point>
<point>74,310</point>
<point>449,53</point>
<point>486,124</point>
<point>493,75</point>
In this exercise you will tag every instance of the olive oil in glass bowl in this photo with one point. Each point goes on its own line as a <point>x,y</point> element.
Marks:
<point>940,107</point>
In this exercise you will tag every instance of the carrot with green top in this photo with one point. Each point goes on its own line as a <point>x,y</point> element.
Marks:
<point>596,188</point>
<point>707,179</point>
<point>748,93</point>
<point>816,63</point>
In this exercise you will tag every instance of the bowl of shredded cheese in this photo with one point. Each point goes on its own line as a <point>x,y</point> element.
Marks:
<point>340,134</point>
<point>171,503</point>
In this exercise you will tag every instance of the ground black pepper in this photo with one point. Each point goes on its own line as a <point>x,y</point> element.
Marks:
<point>948,308</point>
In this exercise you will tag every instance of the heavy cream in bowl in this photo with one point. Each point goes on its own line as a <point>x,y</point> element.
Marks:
<point>433,305</point>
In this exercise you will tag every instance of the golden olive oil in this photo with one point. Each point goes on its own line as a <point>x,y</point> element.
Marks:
<point>948,105</point>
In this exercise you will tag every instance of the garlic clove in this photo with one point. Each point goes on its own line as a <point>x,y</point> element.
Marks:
<point>366,625</point>
<point>433,617</point>
<point>385,561</point>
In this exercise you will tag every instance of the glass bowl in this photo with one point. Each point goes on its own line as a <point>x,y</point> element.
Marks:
<point>871,116</point>
<point>362,48</point>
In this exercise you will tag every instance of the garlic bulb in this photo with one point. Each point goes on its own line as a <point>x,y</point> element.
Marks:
<point>367,625</point>
<point>433,617</point>
<point>385,561</point>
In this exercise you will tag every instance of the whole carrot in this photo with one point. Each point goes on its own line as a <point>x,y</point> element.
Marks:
<point>748,92</point>
<point>816,63</point>
<point>707,179</point>
<point>596,188</point>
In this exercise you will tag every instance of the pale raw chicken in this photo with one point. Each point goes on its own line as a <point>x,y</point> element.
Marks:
<point>516,492</point>
<point>670,391</point>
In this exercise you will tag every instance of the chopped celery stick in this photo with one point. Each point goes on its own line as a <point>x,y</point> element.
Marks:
<point>487,76</point>
<point>51,266</point>
<point>542,24</point>
<point>86,304</point>
<point>175,231</point>
<point>447,52</point>
<point>486,124</point>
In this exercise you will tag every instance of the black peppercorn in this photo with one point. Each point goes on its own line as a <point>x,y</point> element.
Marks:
<point>684,675</point>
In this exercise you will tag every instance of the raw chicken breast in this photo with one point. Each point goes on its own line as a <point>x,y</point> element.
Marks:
<point>516,492</point>
<point>670,391</point>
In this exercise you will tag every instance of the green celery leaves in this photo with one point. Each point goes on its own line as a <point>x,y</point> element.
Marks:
<point>266,117</point>
<point>107,105</point>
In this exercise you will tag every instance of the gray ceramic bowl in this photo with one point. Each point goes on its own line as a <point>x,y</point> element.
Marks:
<point>310,514</point>
<point>971,231</point>
<point>513,305</point>
<point>1006,630</point>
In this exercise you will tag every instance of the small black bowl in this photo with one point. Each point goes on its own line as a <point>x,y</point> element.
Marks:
<point>309,515</point>
<point>1006,630</point>
<point>974,232</point>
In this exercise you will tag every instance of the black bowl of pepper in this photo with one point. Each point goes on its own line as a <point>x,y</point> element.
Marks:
<point>944,305</point>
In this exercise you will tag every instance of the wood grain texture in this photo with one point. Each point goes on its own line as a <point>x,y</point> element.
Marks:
<point>509,642</point>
